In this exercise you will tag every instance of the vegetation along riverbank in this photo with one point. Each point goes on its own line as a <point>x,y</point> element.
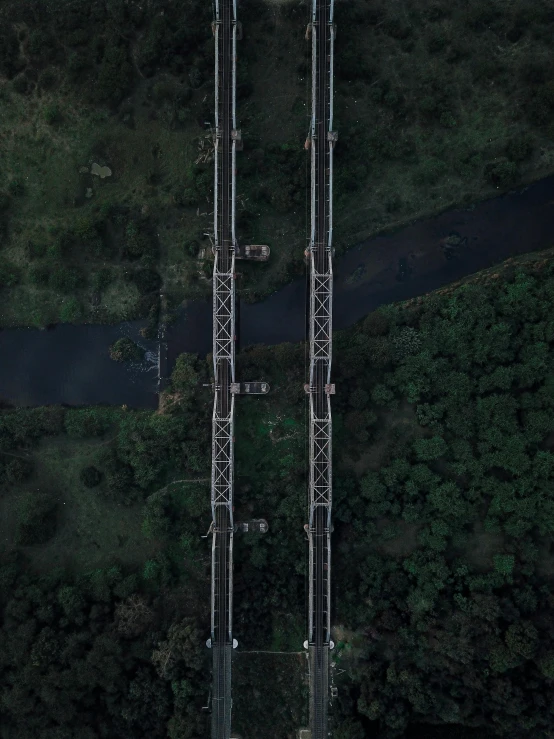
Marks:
<point>443,519</point>
<point>107,177</point>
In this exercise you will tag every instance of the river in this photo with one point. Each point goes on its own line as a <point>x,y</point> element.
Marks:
<point>70,364</point>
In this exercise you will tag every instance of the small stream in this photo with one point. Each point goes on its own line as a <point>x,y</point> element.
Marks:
<point>71,365</point>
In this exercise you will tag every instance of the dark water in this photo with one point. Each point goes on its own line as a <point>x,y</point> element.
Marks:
<point>70,364</point>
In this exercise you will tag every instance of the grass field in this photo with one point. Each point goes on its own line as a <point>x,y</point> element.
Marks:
<point>91,531</point>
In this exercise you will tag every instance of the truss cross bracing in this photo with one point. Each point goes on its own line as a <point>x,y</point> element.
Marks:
<point>322,140</point>
<point>225,32</point>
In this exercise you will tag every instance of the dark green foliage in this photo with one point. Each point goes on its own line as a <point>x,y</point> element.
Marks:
<point>114,76</point>
<point>16,470</point>
<point>85,422</point>
<point>90,476</point>
<point>520,147</point>
<point>125,350</point>
<point>36,518</point>
<point>120,481</point>
<point>471,463</point>
<point>10,62</point>
<point>71,310</point>
<point>502,173</point>
<point>147,280</point>
<point>16,187</point>
<point>66,279</point>
<point>186,378</point>
<point>128,662</point>
<point>52,114</point>
<point>39,274</point>
<point>5,201</point>
<point>10,274</point>
<point>140,241</point>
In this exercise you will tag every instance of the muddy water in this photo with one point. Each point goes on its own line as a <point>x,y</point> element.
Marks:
<point>70,364</point>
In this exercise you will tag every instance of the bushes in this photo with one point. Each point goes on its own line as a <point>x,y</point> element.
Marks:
<point>502,173</point>
<point>90,476</point>
<point>520,147</point>
<point>125,350</point>
<point>10,274</point>
<point>115,75</point>
<point>85,422</point>
<point>66,279</point>
<point>52,114</point>
<point>120,479</point>
<point>140,242</point>
<point>147,281</point>
<point>36,518</point>
<point>17,187</point>
<point>17,470</point>
<point>71,311</point>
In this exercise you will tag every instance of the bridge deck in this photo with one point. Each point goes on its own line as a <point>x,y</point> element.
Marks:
<point>321,295</point>
<point>224,367</point>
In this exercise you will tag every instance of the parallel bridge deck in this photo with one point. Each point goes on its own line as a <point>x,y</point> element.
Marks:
<point>321,296</point>
<point>225,31</point>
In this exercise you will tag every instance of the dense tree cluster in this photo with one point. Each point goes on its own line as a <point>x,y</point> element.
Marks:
<point>101,655</point>
<point>441,60</point>
<point>105,46</point>
<point>111,652</point>
<point>443,507</point>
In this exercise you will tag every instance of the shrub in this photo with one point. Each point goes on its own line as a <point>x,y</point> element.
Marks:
<point>17,187</point>
<point>84,422</point>
<point>429,171</point>
<point>147,280</point>
<point>376,324</point>
<point>66,279</point>
<point>71,310</point>
<point>90,476</point>
<point>125,350</point>
<point>502,173</point>
<point>437,41</point>
<point>18,470</point>
<point>36,518</point>
<point>10,274</point>
<point>101,279</point>
<point>120,480</point>
<point>115,75</point>
<point>52,114</point>
<point>36,248</point>
<point>4,201</point>
<point>21,84</point>
<point>39,274</point>
<point>520,147</point>
<point>47,79</point>
<point>406,342</point>
<point>139,241</point>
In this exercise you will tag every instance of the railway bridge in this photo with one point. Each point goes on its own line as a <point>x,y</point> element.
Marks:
<point>227,140</point>
<point>321,141</point>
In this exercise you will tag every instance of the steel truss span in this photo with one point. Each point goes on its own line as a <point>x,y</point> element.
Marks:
<point>225,32</point>
<point>322,140</point>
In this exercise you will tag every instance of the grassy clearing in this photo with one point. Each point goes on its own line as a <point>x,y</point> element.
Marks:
<point>91,531</point>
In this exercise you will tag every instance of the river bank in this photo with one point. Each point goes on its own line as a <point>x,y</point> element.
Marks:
<point>70,363</point>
